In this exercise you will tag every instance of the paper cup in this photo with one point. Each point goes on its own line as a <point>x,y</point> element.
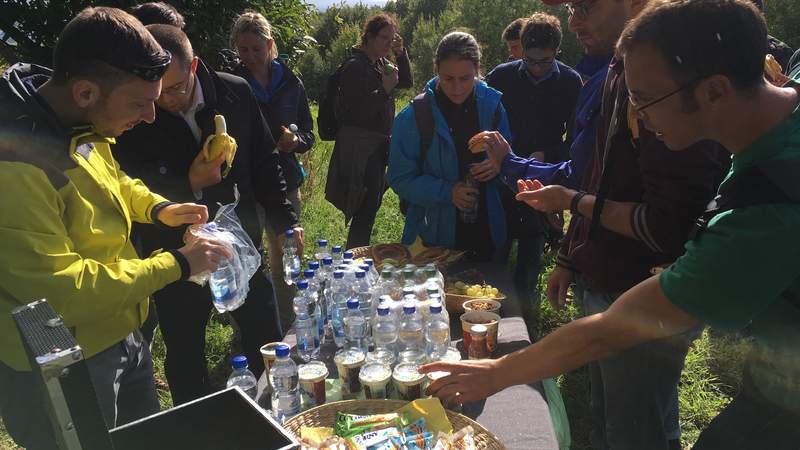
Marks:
<point>492,322</point>
<point>408,381</point>
<point>375,378</point>
<point>312,382</point>
<point>268,354</point>
<point>348,364</point>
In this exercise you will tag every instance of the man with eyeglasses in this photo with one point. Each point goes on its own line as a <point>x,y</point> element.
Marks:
<point>167,155</point>
<point>67,214</point>
<point>633,212</point>
<point>539,95</point>
<point>739,271</point>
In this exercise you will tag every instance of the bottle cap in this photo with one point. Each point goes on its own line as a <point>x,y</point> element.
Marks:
<point>384,310</point>
<point>348,255</point>
<point>339,274</point>
<point>369,262</point>
<point>239,362</point>
<point>337,249</point>
<point>409,309</point>
<point>322,243</point>
<point>302,285</point>
<point>282,350</point>
<point>313,265</point>
<point>436,308</point>
<point>360,274</point>
<point>352,303</point>
<point>289,233</point>
<point>327,261</point>
<point>309,274</point>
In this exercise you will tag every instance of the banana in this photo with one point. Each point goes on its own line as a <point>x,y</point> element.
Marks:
<point>220,143</point>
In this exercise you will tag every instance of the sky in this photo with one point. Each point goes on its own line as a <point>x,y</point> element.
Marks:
<point>322,5</point>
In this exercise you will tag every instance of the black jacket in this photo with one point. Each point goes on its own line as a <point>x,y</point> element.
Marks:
<point>289,105</point>
<point>162,152</point>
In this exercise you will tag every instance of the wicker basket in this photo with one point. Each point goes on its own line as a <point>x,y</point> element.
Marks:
<point>325,416</point>
<point>361,252</point>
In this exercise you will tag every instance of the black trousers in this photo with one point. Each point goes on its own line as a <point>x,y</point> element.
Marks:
<point>183,312</point>
<point>375,186</point>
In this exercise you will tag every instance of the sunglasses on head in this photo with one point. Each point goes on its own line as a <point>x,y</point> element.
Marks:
<point>147,73</point>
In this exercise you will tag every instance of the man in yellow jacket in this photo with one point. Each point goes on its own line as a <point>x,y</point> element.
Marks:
<point>67,211</point>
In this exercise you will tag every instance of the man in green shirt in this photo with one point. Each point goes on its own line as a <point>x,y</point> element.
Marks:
<point>694,72</point>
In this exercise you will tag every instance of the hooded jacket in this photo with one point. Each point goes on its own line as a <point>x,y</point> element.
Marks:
<point>66,222</point>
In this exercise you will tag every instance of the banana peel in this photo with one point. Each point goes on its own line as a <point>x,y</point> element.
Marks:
<point>220,143</point>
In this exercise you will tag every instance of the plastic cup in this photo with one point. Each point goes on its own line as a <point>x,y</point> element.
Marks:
<point>268,354</point>
<point>408,381</point>
<point>348,364</point>
<point>375,379</point>
<point>452,355</point>
<point>312,382</point>
<point>381,356</point>
<point>492,322</point>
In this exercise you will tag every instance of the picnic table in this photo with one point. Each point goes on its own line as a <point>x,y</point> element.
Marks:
<point>519,415</point>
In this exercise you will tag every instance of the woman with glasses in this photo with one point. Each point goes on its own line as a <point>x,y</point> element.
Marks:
<point>453,194</point>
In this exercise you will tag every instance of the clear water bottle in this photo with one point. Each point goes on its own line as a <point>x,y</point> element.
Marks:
<point>363,292</point>
<point>431,272</point>
<point>411,335</point>
<point>313,292</point>
<point>291,262</point>
<point>471,215</point>
<point>321,251</point>
<point>314,265</point>
<point>384,330</point>
<point>389,286</point>
<point>408,277</point>
<point>437,333</point>
<point>355,326</point>
<point>336,255</point>
<point>285,384</point>
<point>372,273</point>
<point>306,330</point>
<point>348,254</point>
<point>437,298</point>
<point>340,293</point>
<point>223,288</point>
<point>296,277</point>
<point>242,377</point>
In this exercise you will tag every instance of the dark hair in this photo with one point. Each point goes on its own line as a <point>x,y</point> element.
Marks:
<point>375,24</point>
<point>158,12</point>
<point>173,40</point>
<point>542,31</point>
<point>458,45</point>
<point>105,45</point>
<point>513,30</point>
<point>700,38</point>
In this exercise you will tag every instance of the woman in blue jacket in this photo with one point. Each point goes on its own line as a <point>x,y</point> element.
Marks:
<point>443,190</point>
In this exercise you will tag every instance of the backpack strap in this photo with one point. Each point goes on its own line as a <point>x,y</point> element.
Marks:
<point>423,115</point>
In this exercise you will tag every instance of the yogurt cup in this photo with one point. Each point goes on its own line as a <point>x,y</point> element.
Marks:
<point>348,364</point>
<point>408,381</point>
<point>381,356</point>
<point>375,378</point>
<point>312,382</point>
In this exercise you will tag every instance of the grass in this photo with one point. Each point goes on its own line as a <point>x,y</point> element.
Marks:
<point>710,378</point>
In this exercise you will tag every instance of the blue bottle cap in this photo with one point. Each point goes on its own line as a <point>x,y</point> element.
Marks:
<point>436,308</point>
<point>339,274</point>
<point>348,255</point>
<point>322,242</point>
<point>409,309</point>
<point>282,350</point>
<point>309,274</point>
<point>384,310</point>
<point>364,267</point>
<point>302,285</point>
<point>239,362</point>
<point>328,261</point>
<point>313,265</point>
<point>352,303</point>
<point>337,249</point>
<point>295,274</point>
<point>360,274</point>
<point>289,233</point>
<point>369,262</point>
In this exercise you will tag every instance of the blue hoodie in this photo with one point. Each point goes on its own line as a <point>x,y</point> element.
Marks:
<point>431,213</point>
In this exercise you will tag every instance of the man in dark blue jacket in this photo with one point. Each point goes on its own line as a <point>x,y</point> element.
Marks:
<point>539,95</point>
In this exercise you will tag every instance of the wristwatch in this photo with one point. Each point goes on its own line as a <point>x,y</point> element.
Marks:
<point>573,205</point>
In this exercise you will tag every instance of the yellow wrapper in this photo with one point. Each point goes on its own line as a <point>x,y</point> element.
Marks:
<point>432,411</point>
<point>315,435</point>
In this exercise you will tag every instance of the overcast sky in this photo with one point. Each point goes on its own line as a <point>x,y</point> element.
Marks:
<point>322,5</point>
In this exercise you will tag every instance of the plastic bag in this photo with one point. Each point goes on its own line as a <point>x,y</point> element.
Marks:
<point>231,282</point>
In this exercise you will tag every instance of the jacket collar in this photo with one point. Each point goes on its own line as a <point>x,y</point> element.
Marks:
<point>486,98</point>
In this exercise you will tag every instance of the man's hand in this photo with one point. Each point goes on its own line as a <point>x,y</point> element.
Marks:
<point>182,214</point>
<point>552,198</point>
<point>203,174</point>
<point>204,254</point>
<point>497,148</point>
<point>390,80</point>
<point>397,45</point>
<point>468,380</point>
<point>464,197</point>
<point>484,171</point>
<point>299,237</point>
<point>557,286</point>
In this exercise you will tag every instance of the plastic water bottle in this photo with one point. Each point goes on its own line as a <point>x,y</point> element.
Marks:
<point>437,333</point>
<point>363,292</point>
<point>223,288</point>
<point>313,293</point>
<point>384,330</point>
<point>242,377</point>
<point>305,308</point>
<point>336,255</point>
<point>411,335</point>
<point>372,273</point>
<point>321,251</point>
<point>291,262</point>
<point>285,384</point>
<point>355,326</point>
<point>340,293</point>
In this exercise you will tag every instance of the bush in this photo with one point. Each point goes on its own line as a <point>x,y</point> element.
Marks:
<point>423,49</point>
<point>313,70</point>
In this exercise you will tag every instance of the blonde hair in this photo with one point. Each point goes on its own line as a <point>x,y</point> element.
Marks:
<point>253,22</point>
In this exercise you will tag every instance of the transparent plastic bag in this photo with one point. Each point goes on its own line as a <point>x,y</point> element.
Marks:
<point>231,282</point>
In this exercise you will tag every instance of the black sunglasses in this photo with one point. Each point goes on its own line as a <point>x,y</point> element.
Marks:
<point>147,73</point>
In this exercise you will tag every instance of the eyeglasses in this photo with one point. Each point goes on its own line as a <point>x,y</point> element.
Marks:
<point>639,107</point>
<point>580,9</point>
<point>179,88</point>
<point>538,62</point>
<point>147,73</point>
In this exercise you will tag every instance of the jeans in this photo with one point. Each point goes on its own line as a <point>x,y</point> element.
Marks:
<point>374,186</point>
<point>634,393</point>
<point>122,376</point>
<point>183,311</point>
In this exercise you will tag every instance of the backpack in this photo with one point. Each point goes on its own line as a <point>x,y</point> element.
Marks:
<point>423,116</point>
<point>327,124</point>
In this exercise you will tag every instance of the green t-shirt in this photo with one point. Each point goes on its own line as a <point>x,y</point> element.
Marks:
<point>733,276</point>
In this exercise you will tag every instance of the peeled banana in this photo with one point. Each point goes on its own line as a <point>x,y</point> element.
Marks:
<point>220,143</point>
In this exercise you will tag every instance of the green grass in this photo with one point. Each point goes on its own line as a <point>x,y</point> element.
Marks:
<point>710,378</point>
